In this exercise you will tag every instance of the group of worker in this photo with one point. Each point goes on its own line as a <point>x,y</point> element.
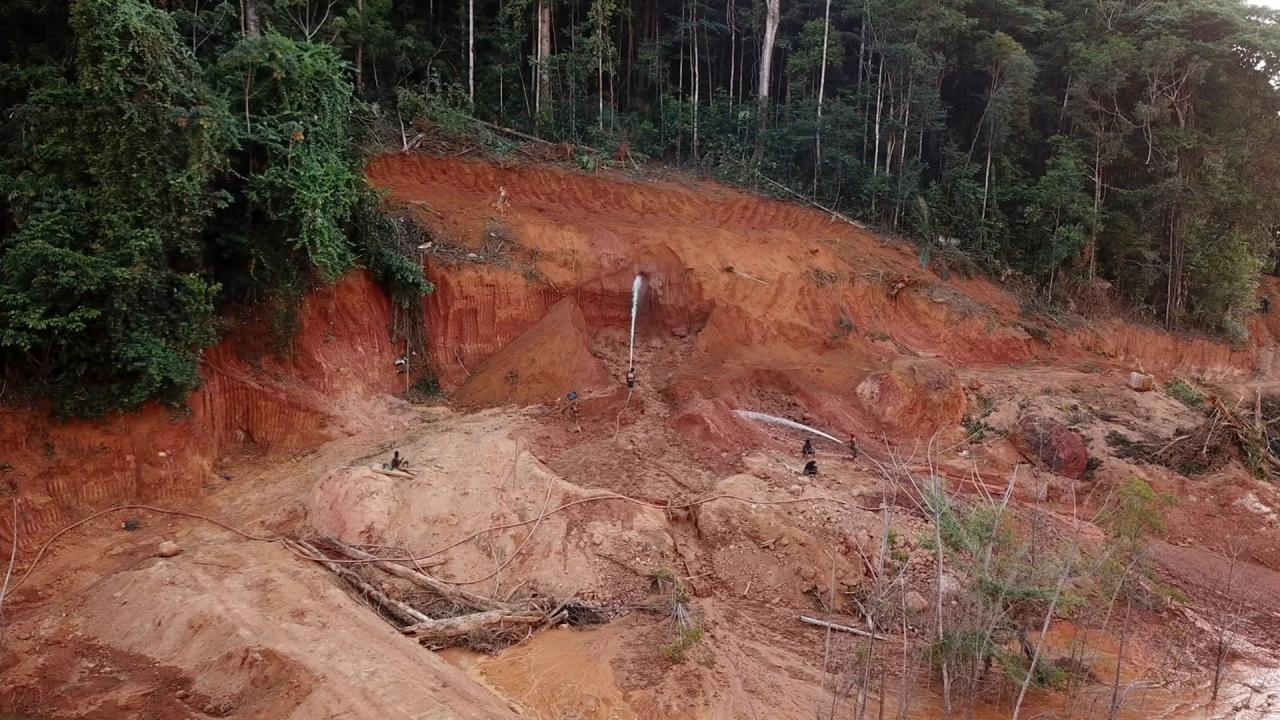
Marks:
<point>811,465</point>
<point>806,451</point>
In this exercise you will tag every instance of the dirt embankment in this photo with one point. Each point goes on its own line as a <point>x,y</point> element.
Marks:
<point>755,293</point>
<point>251,397</point>
<point>746,304</point>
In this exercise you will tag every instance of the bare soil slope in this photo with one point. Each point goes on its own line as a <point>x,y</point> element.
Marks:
<point>747,303</point>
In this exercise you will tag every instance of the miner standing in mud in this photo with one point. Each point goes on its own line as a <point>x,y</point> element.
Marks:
<point>807,450</point>
<point>631,378</point>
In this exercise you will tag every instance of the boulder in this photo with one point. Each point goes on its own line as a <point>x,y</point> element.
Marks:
<point>916,603</point>
<point>168,549</point>
<point>915,396</point>
<point>1052,444</point>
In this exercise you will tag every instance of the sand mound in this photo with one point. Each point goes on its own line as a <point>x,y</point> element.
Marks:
<point>263,635</point>
<point>545,363</point>
<point>474,475</point>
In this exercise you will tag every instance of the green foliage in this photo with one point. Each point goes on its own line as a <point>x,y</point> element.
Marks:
<point>1135,513</point>
<point>295,185</point>
<point>388,248</point>
<point>1007,584</point>
<point>107,183</point>
<point>684,639</point>
<point>141,189</point>
<point>167,163</point>
<point>1179,390</point>
<point>975,427</point>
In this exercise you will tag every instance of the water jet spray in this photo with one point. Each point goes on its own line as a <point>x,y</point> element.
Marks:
<point>635,307</point>
<point>761,417</point>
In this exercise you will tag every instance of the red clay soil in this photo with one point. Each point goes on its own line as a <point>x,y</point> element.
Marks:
<point>249,397</point>
<point>747,303</point>
<point>548,361</point>
<point>766,290</point>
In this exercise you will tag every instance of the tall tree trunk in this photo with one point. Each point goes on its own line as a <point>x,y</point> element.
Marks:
<point>695,75</point>
<point>822,88</point>
<point>360,55</point>
<point>906,123</point>
<point>250,24</point>
<point>680,64</point>
<point>731,21</point>
<point>471,52</point>
<point>875,162</point>
<point>543,104</point>
<point>1097,205</point>
<point>600,60</point>
<point>766,66</point>
<point>986,182</point>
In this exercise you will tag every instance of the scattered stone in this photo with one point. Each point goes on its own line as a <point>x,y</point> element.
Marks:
<point>784,542</point>
<point>168,549</point>
<point>808,573</point>
<point>597,539</point>
<point>916,602</point>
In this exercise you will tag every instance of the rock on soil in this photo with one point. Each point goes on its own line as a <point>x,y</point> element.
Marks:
<point>916,602</point>
<point>915,396</point>
<point>168,549</point>
<point>1053,444</point>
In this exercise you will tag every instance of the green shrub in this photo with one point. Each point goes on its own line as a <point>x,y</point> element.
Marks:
<point>1179,390</point>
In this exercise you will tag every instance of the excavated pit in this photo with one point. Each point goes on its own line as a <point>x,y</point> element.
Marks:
<point>747,304</point>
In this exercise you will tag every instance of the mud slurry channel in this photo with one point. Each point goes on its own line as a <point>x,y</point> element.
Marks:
<point>690,529</point>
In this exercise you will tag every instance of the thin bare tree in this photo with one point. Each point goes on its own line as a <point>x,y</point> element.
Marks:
<point>772,11</point>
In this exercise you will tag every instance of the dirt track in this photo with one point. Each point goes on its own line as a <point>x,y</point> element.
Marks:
<point>747,303</point>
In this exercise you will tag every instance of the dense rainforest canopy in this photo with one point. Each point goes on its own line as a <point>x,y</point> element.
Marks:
<point>164,161</point>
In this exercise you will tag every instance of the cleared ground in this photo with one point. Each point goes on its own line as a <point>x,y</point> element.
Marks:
<point>746,304</point>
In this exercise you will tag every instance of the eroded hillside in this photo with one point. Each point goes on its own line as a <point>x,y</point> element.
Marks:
<point>745,304</point>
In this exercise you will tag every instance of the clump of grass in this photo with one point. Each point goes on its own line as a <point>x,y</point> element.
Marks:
<point>687,632</point>
<point>823,278</point>
<point>1078,417</point>
<point>975,427</point>
<point>1123,446</point>
<point>686,638</point>
<point>1179,390</point>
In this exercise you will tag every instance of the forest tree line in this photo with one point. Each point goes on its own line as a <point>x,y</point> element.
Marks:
<point>174,158</point>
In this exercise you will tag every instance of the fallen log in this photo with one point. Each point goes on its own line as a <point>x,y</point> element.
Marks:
<point>446,629</point>
<point>426,582</point>
<point>841,628</point>
<point>396,609</point>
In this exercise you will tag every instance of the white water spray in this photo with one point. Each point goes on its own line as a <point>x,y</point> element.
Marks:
<point>635,307</point>
<point>751,415</point>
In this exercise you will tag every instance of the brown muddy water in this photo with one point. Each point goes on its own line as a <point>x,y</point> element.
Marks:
<point>568,674</point>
